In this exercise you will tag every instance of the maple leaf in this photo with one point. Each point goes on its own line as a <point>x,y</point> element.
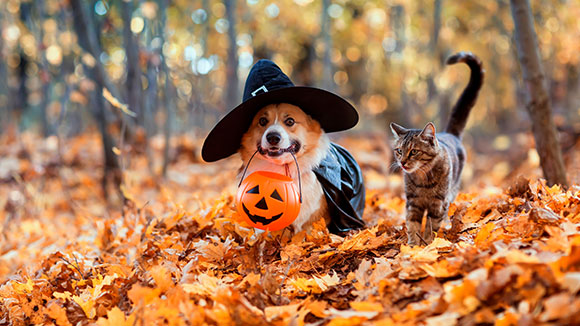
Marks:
<point>349,317</point>
<point>214,249</point>
<point>315,284</point>
<point>115,317</point>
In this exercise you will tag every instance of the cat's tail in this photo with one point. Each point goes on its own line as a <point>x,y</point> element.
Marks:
<point>466,101</point>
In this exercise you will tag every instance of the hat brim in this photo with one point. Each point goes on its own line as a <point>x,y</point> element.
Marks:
<point>332,112</point>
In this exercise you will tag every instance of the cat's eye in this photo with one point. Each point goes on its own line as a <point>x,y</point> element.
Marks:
<point>398,151</point>
<point>289,122</point>
<point>414,152</point>
<point>263,122</point>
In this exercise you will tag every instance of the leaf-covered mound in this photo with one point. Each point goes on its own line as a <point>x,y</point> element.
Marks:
<point>177,254</point>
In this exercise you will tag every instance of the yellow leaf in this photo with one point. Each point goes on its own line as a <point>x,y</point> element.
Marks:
<point>58,313</point>
<point>140,293</point>
<point>23,287</point>
<point>367,306</point>
<point>515,256</point>
<point>349,317</point>
<point>315,284</point>
<point>87,303</point>
<point>205,285</point>
<point>418,254</point>
<point>327,281</point>
<point>60,295</point>
<point>162,278</point>
<point>507,319</point>
<point>448,318</point>
<point>317,308</point>
<point>125,193</point>
<point>442,268</point>
<point>571,282</point>
<point>282,312</point>
<point>482,236</point>
<point>116,103</point>
<point>115,317</point>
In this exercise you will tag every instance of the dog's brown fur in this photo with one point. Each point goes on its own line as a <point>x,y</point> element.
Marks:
<point>313,146</point>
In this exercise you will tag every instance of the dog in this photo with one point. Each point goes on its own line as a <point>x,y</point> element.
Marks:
<point>287,124</point>
<point>278,131</point>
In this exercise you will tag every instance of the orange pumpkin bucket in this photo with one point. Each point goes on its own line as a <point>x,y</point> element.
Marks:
<point>268,200</point>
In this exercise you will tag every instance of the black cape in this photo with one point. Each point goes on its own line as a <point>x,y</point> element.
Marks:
<point>342,183</point>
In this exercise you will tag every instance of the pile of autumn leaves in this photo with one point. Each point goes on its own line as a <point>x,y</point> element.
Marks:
<point>510,256</point>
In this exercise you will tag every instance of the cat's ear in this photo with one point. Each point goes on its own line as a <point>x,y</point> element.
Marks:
<point>397,130</point>
<point>428,133</point>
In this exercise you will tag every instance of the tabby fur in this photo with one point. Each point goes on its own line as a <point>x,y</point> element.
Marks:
<point>432,162</point>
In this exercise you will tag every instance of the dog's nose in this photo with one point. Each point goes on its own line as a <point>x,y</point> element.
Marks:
<point>273,138</point>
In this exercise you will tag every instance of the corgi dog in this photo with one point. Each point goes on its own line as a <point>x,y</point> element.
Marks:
<point>278,123</point>
<point>277,132</point>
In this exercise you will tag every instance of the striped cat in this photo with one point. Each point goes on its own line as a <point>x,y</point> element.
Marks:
<point>432,162</point>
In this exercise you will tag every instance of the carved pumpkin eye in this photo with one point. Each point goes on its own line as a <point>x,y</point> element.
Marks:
<point>276,195</point>
<point>255,190</point>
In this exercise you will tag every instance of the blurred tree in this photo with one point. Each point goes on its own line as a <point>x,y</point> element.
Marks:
<point>232,87</point>
<point>153,55</point>
<point>89,40</point>
<point>35,22</point>
<point>4,109</point>
<point>133,80</point>
<point>325,29</point>
<point>538,102</point>
<point>169,91</point>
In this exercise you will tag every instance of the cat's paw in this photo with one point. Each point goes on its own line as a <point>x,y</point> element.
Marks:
<point>413,239</point>
<point>428,236</point>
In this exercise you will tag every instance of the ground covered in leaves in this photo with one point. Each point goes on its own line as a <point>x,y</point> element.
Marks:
<point>176,253</point>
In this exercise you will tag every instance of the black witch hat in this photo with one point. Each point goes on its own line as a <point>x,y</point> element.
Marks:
<point>267,84</point>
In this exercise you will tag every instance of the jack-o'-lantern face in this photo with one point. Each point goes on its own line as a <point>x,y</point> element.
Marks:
<point>268,200</point>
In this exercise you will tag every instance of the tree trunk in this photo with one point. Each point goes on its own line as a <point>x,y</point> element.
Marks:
<point>206,27</point>
<point>538,104</point>
<point>133,81</point>
<point>232,93</point>
<point>433,92</point>
<point>88,39</point>
<point>168,91</point>
<point>84,28</point>
<point>4,111</point>
<point>45,75</point>
<point>327,82</point>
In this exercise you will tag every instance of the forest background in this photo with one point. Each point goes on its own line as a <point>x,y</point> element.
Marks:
<point>180,65</point>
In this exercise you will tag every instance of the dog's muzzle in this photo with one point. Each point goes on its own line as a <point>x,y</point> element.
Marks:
<point>275,151</point>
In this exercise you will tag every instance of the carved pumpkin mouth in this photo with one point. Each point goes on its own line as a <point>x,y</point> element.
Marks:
<point>260,219</point>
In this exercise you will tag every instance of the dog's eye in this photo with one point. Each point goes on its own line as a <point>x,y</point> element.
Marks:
<point>398,151</point>
<point>263,122</point>
<point>289,122</point>
<point>414,152</point>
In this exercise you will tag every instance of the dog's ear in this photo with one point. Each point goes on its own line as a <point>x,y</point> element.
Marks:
<point>397,130</point>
